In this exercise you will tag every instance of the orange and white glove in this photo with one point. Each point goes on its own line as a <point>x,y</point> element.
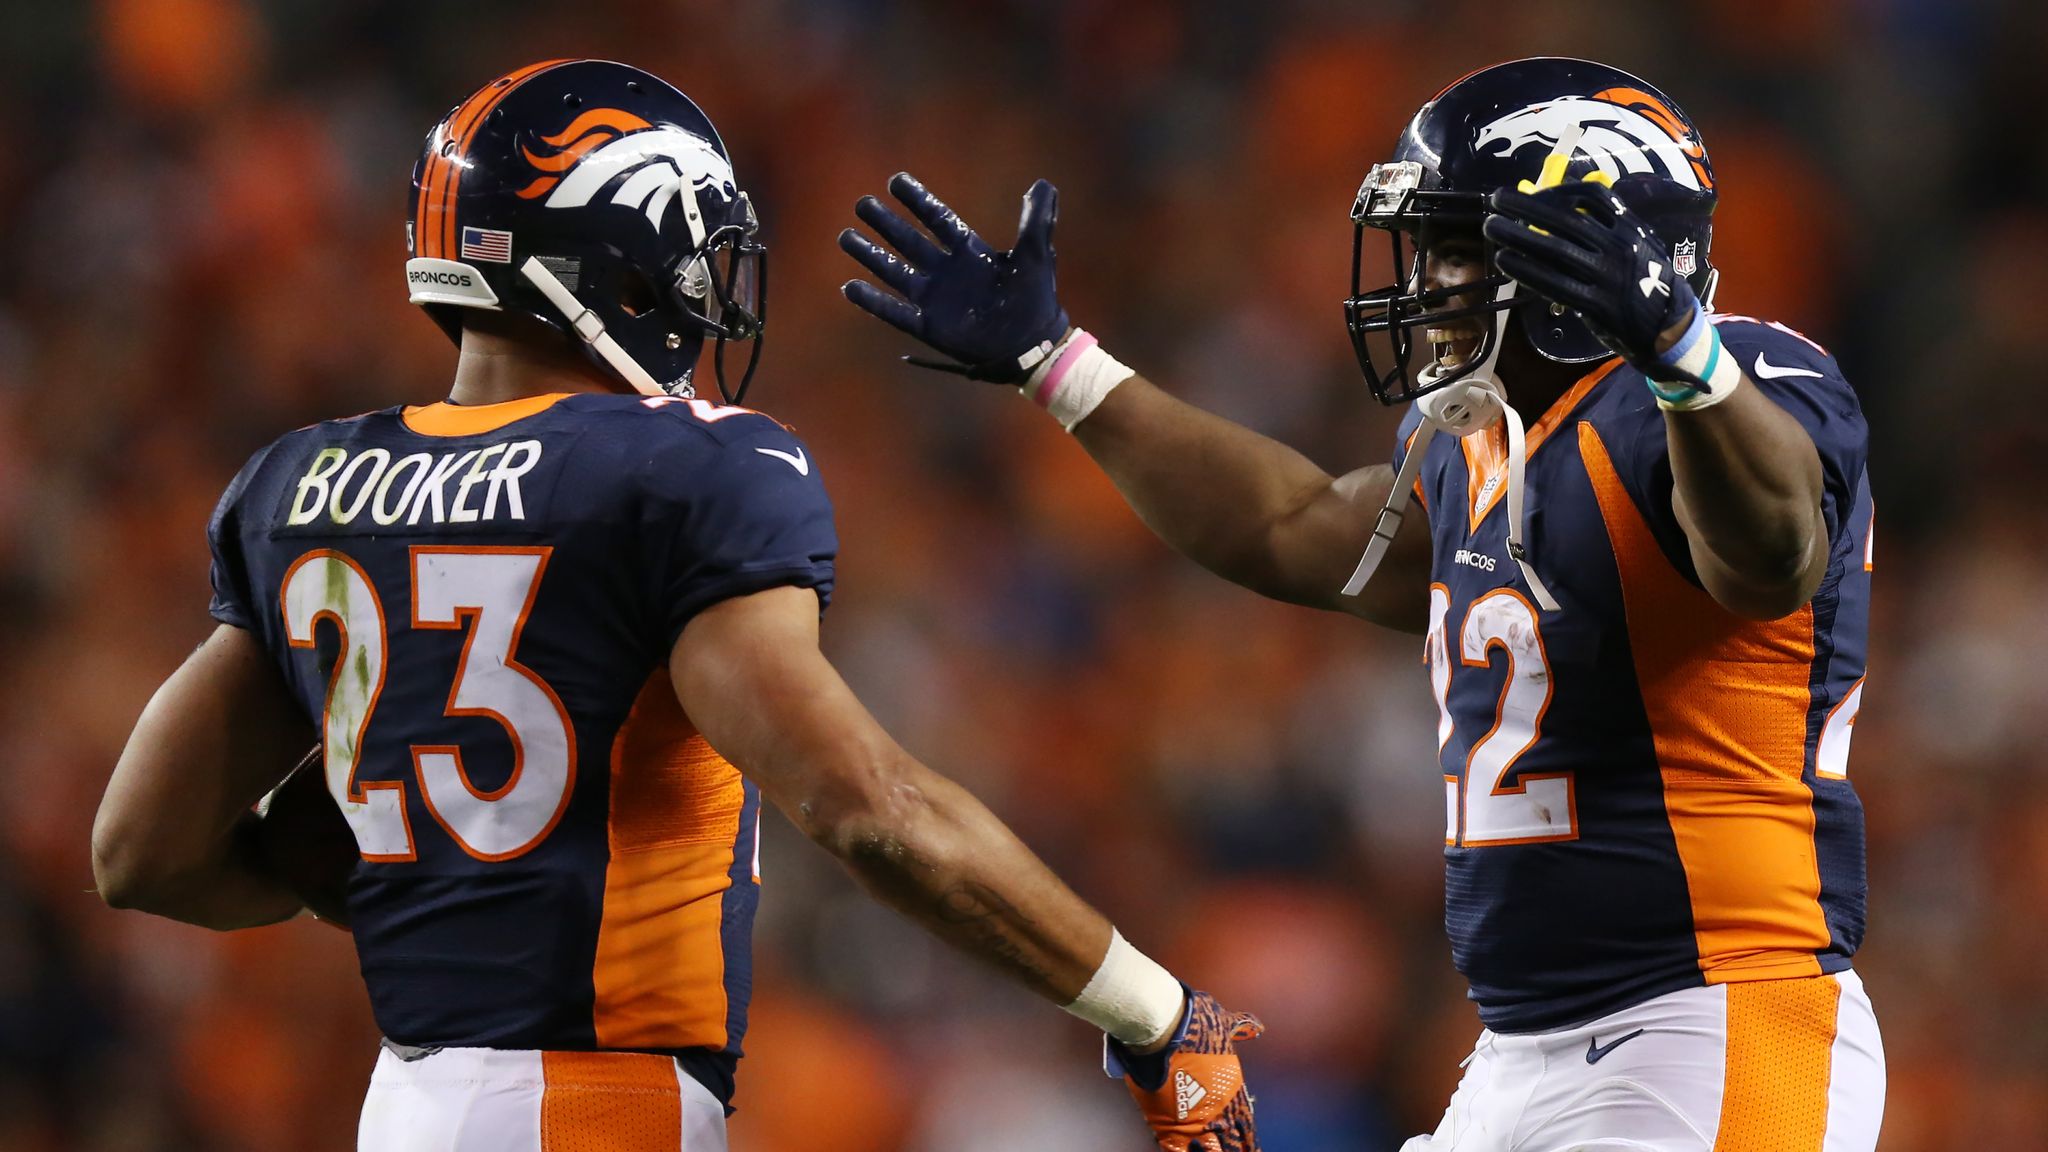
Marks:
<point>1192,1092</point>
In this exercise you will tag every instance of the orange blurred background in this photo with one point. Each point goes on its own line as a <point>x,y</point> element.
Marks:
<point>201,207</point>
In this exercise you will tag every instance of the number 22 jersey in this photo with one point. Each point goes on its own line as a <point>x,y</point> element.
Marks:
<point>1642,791</point>
<point>476,606</point>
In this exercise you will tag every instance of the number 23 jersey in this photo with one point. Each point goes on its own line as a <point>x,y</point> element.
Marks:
<point>476,606</point>
<point>1642,791</point>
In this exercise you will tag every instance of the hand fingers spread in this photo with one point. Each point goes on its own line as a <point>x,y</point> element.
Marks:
<point>953,233</point>
<point>893,310</point>
<point>886,267</point>
<point>1041,212</point>
<point>898,233</point>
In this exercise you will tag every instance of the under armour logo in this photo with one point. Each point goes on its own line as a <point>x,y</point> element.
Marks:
<point>1654,282</point>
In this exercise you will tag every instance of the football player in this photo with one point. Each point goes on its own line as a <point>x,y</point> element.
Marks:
<point>557,637</point>
<point>1635,534</point>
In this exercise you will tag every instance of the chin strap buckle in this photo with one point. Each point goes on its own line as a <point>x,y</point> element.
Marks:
<point>1465,406</point>
<point>589,328</point>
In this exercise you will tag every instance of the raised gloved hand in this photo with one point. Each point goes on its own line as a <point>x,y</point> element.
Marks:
<point>997,315</point>
<point>1580,245</point>
<point>1192,1092</point>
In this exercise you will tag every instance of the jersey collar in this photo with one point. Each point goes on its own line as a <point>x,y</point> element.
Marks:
<point>445,419</point>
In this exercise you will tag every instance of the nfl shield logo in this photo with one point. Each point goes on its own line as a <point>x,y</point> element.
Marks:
<point>1685,257</point>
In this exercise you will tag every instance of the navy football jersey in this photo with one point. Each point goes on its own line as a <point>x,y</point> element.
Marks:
<point>476,606</point>
<point>1642,791</point>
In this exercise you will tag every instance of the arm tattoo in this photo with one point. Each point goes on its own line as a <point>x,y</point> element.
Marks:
<point>993,927</point>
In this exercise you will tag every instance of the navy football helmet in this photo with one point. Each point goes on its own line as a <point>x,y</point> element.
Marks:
<point>597,199</point>
<point>1497,128</point>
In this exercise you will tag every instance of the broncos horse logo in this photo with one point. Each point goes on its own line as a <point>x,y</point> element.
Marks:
<point>1625,130</point>
<point>605,144</point>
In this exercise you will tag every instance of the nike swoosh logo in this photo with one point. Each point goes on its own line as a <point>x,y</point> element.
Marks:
<point>797,461</point>
<point>1765,370</point>
<point>1595,1052</point>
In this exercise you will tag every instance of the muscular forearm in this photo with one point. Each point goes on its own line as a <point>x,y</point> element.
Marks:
<point>749,673</point>
<point>936,854</point>
<point>230,889</point>
<point>174,831</point>
<point>1218,493</point>
<point>1747,489</point>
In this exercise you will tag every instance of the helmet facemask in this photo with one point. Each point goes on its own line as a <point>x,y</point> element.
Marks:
<point>721,290</point>
<point>1386,323</point>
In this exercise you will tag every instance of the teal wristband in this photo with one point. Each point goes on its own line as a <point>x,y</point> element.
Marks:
<point>1697,372</point>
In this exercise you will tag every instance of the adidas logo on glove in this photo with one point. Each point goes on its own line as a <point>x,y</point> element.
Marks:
<point>1186,1092</point>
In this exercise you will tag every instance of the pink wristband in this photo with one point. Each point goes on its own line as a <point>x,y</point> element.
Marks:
<point>1050,386</point>
<point>1074,378</point>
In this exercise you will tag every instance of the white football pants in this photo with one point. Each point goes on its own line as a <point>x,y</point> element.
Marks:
<point>491,1100</point>
<point>1767,1066</point>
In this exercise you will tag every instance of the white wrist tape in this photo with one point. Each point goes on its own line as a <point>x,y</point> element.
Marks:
<point>1131,997</point>
<point>1073,378</point>
<point>1698,355</point>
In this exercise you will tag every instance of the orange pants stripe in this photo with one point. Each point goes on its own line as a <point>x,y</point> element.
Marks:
<point>495,1100</point>
<point>1781,1037</point>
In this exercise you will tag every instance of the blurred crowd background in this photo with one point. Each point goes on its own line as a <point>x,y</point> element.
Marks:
<point>201,233</point>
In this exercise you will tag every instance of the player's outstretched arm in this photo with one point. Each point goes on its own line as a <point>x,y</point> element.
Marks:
<point>1246,507</point>
<point>1253,510</point>
<point>749,674</point>
<point>1746,476</point>
<point>175,835</point>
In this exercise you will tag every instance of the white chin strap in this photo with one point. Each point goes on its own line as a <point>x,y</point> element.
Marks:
<point>1472,403</point>
<point>589,328</point>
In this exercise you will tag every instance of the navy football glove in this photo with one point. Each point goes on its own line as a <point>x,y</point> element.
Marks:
<point>996,314</point>
<point>1579,245</point>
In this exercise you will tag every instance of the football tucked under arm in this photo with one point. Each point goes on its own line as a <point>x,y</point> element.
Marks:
<point>302,838</point>
<point>175,832</point>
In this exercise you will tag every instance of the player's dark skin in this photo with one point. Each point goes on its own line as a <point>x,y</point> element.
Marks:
<point>1256,512</point>
<point>172,834</point>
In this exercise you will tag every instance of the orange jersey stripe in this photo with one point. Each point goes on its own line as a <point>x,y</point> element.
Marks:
<point>1486,450</point>
<point>1408,446</point>
<point>609,1102</point>
<point>675,816</point>
<point>1727,701</point>
<point>1781,1036</point>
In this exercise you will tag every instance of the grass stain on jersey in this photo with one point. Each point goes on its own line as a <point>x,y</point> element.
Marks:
<point>360,669</point>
